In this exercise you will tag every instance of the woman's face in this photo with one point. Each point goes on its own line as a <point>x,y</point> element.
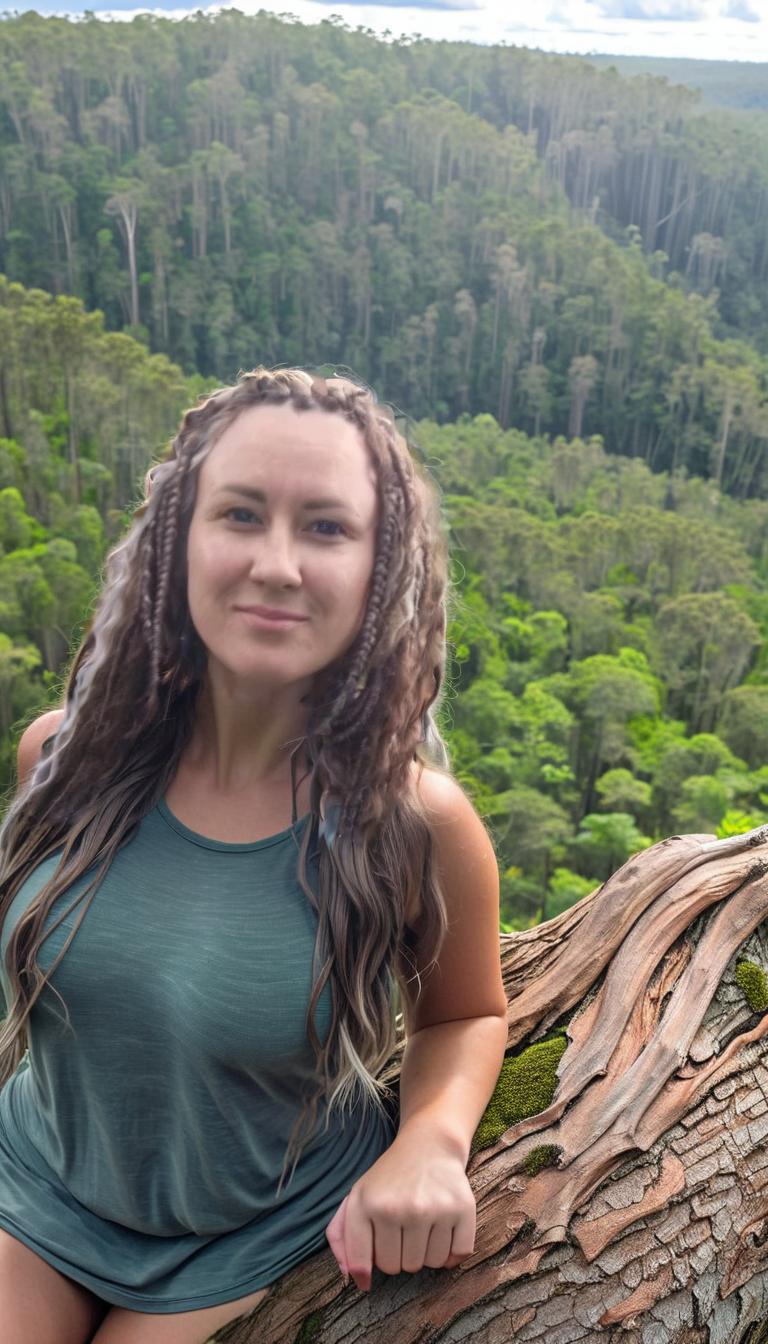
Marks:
<point>284,522</point>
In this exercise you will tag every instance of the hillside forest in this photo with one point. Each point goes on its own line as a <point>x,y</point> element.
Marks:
<point>556,272</point>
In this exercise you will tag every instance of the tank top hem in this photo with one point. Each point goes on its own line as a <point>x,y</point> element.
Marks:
<point>153,1272</point>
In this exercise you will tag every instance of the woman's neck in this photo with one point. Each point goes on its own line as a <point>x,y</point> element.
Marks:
<point>238,745</point>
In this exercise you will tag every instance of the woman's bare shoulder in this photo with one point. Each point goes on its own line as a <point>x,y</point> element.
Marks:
<point>32,739</point>
<point>451,818</point>
<point>440,793</point>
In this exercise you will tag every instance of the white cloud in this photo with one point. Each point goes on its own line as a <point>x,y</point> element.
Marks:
<point>722,29</point>
<point>740,9</point>
<point>413,4</point>
<point>671,11</point>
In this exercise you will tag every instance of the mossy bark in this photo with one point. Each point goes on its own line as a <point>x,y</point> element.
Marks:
<point>621,1168</point>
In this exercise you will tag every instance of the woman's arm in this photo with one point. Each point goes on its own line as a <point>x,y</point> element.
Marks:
<point>414,1206</point>
<point>457,1027</point>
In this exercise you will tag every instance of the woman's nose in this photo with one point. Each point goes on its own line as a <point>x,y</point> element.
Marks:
<point>275,557</point>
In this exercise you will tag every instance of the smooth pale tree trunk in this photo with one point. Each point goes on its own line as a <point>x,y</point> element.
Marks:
<point>650,1224</point>
<point>124,206</point>
<point>65,216</point>
<point>725,429</point>
<point>72,443</point>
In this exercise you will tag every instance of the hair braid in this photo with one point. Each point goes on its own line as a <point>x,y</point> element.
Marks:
<point>148,583</point>
<point>379,586</point>
<point>167,534</point>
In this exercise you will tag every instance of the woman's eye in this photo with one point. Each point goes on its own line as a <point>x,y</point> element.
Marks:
<point>328,522</point>
<point>239,509</point>
<point>240,514</point>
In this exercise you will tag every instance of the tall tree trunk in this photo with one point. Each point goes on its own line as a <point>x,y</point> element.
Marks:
<point>65,215</point>
<point>226,215</point>
<point>725,429</point>
<point>130,233</point>
<point>160,297</point>
<point>436,158</point>
<point>72,436</point>
<point>646,1222</point>
<point>124,206</point>
<point>5,406</point>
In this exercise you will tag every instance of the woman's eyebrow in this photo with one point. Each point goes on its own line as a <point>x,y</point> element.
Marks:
<point>251,492</point>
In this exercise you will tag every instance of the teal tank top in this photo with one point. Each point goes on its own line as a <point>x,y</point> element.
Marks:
<point>140,1152</point>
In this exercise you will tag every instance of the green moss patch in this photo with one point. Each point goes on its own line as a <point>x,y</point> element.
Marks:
<point>753,981</point>
<point>526,1086</point>
<point>543,1156</point>
<point>309,1327</point>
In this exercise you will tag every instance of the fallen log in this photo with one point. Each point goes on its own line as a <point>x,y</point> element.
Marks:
<point>621,1169</point>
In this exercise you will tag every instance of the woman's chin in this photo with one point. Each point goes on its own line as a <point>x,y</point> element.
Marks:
<point>266,674</point>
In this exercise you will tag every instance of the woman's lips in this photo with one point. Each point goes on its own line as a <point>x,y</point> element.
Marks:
<point>270,617</point>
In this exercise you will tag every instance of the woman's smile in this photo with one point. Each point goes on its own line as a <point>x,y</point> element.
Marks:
<point>266,618</point>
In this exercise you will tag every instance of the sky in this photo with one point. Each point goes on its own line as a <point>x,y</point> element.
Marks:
<point>735,30</point>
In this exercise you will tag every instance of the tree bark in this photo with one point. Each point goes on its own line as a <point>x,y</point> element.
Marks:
<point>648,1225</point>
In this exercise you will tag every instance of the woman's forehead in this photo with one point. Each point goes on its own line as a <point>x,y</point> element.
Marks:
<point>283,424</point>
<point>285,447</point>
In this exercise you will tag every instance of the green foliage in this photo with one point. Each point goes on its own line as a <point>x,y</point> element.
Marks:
<point>87,408</point>
<point>485,710</point>
<point>522,902</point>
<point>18,664</point>
<point>650,738</point>
<point>534,646</point>
<point>743,722</point>
<point>721,83</point>
<point>82,430</point>
<point>531,828</point>
<point>577,761</point>
<point>621,791</point>
<point>566,888</point>
<point>705,640</point>
<point>702,755</point>
<point>606,840</point>
<point>703,803</point>
<point>735,822</point>
<point>17,529</point>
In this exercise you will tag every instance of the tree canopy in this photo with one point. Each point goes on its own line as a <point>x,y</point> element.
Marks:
<point>471,229</point>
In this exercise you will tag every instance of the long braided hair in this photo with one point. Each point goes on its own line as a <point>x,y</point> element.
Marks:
<point>131,694</point>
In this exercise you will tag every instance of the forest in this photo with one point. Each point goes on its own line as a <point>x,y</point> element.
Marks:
<point>723,83</point>
<point>555,272</point>
<point>472,230</point>
<point>608,674</point>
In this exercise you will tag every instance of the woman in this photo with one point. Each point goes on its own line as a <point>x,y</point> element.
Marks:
<point>247,771</point>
